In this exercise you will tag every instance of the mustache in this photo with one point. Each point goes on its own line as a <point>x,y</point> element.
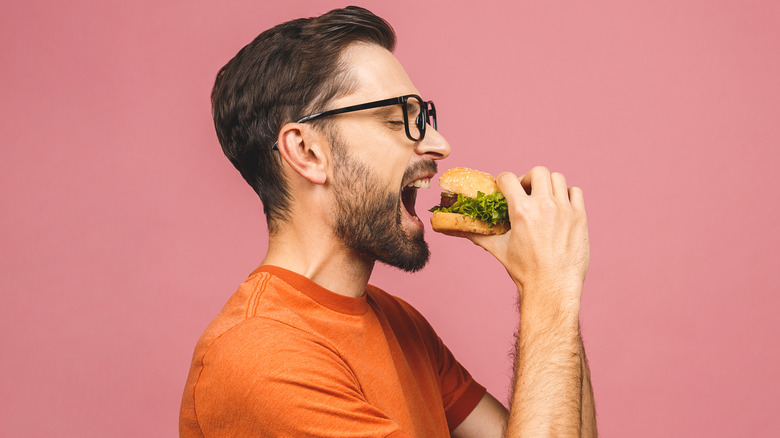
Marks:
<point>420,168</point>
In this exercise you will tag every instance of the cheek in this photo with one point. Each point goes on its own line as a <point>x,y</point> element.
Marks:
<point>396,168</point>
<point>388,167</point>
<point>386,152</point>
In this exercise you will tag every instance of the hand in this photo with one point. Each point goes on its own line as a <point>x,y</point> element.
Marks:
<point>547,248</point>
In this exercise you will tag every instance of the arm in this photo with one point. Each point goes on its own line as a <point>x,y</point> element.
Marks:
<point>547,392</point>
<point>546,254</point>
<point>489,418</point>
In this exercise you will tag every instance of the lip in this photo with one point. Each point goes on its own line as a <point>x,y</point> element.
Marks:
<point>428,176</point>
<point>419,169</point>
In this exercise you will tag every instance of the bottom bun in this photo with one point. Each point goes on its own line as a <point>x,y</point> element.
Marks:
<point>455,224</point>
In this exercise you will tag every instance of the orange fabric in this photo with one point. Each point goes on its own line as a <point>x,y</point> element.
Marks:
<point>288,358</point>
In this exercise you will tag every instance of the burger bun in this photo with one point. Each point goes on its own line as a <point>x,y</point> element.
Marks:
<point>455,224</point>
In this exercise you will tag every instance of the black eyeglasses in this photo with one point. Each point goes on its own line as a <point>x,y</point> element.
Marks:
<point>412,105</point>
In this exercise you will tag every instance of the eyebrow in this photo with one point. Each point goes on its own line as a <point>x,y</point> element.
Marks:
<point>388,111</point>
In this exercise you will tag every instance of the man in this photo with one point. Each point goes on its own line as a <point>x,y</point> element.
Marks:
<point>323,122</point>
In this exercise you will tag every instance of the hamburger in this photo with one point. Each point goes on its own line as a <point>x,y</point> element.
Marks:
<point>471,203</point>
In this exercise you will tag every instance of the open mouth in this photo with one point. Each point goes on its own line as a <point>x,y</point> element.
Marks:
<point>409,194</point>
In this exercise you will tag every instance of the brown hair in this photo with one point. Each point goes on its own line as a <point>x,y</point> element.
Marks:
<point>287,72</point>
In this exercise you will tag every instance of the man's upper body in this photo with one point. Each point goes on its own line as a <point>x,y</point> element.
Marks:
<point>339,190</point>
<point>287,357</point>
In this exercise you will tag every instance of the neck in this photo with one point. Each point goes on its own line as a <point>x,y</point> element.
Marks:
<point>317,254</point>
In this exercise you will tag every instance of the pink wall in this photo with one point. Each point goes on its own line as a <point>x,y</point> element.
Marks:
<point>123,229</point>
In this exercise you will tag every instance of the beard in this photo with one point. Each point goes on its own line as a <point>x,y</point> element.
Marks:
<point>368,219</point>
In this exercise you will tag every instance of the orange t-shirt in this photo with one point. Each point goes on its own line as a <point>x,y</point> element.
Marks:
<point>288,358</point>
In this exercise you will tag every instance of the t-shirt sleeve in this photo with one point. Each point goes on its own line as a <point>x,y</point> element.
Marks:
<point>460,392</point>
<point>303,389</point>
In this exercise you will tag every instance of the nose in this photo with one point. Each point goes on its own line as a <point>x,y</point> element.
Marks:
<point>434,145</point>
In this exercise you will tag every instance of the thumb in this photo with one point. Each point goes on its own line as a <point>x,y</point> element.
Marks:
<point>488,243</point>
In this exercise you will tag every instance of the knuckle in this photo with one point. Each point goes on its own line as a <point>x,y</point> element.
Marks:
<point>582,221</point>
<point>548,204</point>
<point>522,209</point>
<point>519,207</point>
<point>505,176</point>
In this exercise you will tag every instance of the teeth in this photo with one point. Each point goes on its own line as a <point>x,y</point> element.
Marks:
<point>420,183</point>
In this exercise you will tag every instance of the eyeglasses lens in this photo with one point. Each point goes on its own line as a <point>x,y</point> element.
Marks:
<point>431,113</point>
<point>414,114</point>
<point>422,115</point>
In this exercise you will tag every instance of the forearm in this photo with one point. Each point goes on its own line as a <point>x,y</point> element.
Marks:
<point>588,421</point>
<point>549,380</point>
<point>546,253</point>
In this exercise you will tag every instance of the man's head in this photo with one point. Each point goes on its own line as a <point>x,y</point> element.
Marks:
<point>286,73</point>
<point>356,168</point>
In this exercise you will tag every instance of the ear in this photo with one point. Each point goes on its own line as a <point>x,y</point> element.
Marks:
<point>303,148</point>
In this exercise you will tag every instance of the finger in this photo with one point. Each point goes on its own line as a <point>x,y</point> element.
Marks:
<point>559,189</point>
<point>539,181</point>
<point>510,187</point>
<point>577,199</point>
<point>488,243</point>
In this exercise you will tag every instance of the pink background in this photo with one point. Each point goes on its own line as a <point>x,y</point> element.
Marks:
<point>124,229</point>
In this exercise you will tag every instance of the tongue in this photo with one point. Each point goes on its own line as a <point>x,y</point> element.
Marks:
<point>408,196</point>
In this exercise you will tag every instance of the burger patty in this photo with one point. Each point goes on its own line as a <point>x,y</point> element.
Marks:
<point>447,199</point>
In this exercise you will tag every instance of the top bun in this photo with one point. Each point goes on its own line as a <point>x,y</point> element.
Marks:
<point>467,182</point>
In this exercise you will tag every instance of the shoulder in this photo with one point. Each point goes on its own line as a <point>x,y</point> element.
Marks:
<point>261,357</point>
<point>265,310</point>
<point>260,345</point>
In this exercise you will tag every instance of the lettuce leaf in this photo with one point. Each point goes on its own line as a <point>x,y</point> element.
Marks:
<point>490,208</point>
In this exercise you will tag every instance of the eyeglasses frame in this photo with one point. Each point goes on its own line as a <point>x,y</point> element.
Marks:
<point>428,111</point>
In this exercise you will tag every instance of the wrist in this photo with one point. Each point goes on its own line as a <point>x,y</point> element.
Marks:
<point>550,301</point>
